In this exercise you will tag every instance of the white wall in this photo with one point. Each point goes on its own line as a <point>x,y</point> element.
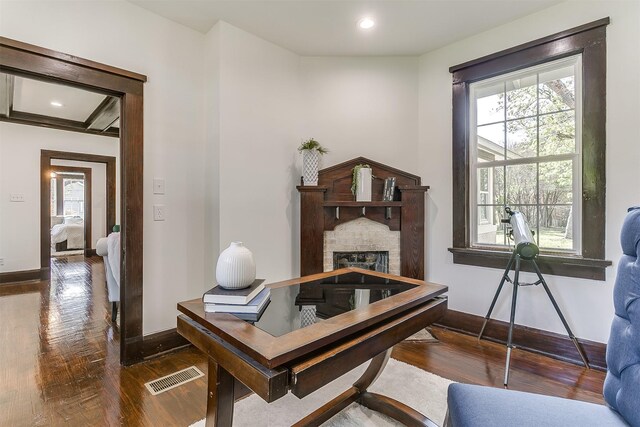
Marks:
<point>20,147</point>
<point>586,304</point>
<point>98,196</point>
<point>259,132</point>
<point>211,154</point>
<point>362,107</point>
<point>269,100</point>
<point>126,36</point>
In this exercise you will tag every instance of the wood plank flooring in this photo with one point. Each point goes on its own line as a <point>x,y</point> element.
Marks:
<point>59,360</point>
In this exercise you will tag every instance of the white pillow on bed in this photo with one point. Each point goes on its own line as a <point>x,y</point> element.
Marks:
<point>73,220</point>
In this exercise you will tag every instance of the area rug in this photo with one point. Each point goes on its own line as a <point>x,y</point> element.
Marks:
<point>419,389</point>
<point>423,335</point>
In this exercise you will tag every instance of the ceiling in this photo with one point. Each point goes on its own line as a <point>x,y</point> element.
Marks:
<point>328,27</point>
<point>35,96</point>
<point>28,101</point>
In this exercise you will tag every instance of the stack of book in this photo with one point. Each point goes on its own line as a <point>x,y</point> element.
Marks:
<point>247,304</point>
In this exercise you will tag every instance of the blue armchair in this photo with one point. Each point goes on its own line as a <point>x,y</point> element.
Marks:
<point>478,406</point>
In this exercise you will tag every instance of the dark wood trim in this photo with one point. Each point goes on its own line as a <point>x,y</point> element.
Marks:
<point>59,200</point>
<point>25,118</point>
<point>107,113</point>
<point>70,59</point>
<point>88,182</point>
<point>131,218</point>
<point>534,340</point>
<point>585,268</point>
<point>349,164</point>
<point>554,37</point>
<point>460,165</point>
<point>45,193</point>
<point>41,63</point>
<point>162,342</point>
<point>23,276</point>
<point>331,203</point>
<point>6,94</point>
<point>90,252</point>
<point>590,41</point>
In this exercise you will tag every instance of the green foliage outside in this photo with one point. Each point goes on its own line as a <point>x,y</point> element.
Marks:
<point>540,121</point>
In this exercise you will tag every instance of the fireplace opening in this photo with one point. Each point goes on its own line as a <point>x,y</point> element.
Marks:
<point>370,260</point>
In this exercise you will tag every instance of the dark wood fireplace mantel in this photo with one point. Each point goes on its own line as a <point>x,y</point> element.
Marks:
<point>331,203</point>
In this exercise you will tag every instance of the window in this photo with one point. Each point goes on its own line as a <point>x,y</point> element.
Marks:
<point>73,204</point>
<point>524,147</point>
<point>529,133</point>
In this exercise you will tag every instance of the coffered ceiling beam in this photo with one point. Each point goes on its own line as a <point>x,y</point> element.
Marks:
<point>104,115</point>
<point>25,118</point>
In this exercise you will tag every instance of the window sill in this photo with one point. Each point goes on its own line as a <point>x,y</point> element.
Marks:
<point>569,266</point>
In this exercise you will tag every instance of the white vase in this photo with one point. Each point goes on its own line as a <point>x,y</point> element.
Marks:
<point>310,166</point>
<point>363,189</point>
<point>236,268</point>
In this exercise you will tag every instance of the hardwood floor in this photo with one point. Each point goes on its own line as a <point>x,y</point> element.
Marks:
<point>59,360</point>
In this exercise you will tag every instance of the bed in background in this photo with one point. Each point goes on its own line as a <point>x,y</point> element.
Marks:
<point>67,233</point>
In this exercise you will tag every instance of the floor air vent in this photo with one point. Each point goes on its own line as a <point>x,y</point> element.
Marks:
<point>174,380</point>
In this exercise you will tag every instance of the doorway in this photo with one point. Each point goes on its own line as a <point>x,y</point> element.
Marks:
<point>48,193</point>
<point>47,65</point>
<point>70,204</point>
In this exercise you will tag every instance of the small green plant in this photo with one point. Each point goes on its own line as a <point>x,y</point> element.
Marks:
<point>354,181</point>
<point>312,144</point>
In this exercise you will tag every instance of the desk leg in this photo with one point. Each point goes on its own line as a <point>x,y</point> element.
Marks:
<point>219,396</point>
<point>376,402</point>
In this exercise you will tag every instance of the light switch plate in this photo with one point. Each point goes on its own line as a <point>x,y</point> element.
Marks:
<point>16,197</point>
<point>158,186</point>
<point>158,213</point>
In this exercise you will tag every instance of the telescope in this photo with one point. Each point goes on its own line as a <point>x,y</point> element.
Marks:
<point>525,249</point>
<point>521,234</point>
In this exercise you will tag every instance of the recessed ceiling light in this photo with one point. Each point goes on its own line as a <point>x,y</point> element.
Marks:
<point>56,103</point>
<point>366,23</point>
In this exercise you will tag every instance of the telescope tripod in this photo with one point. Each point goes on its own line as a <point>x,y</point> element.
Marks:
<point>516,258</point>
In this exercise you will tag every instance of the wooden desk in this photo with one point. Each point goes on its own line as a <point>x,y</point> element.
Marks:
<point>276,355</point>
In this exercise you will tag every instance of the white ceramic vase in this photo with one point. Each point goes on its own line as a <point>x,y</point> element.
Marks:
<point>236,268</point>
<point>363,189</point>
<point>310,166</point>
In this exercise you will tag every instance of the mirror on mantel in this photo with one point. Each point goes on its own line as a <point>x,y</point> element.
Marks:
<point>36,117</point>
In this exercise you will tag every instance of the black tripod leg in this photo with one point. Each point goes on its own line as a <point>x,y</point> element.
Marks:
<point>512,321</point>
<point>505,276</point>
<point>564,322</point>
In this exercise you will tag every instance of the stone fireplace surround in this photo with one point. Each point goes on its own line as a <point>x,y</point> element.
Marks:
<point>330,219</point>
<point>362,235</point>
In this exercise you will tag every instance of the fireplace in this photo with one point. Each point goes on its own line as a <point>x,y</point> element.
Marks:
<point>332,223</point>
<point>361,236</point>
<point>371,260</point>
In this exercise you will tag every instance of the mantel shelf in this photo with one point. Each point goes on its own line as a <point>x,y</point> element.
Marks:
<point>330,204</point>
<point>352,204</point>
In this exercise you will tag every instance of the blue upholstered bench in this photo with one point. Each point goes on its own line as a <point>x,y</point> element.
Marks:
<point>478,406</point>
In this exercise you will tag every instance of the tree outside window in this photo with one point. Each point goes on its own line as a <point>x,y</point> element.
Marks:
<point>529,132</point>
<point>525,148</point>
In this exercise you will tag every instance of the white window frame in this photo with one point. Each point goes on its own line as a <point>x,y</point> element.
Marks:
<point>576,157</point>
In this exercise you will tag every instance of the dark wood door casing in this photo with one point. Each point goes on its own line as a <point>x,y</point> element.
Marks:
<point>45,194</point>
<point>25,59</point>
<point>87,198</point>
<point>319,204</point>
